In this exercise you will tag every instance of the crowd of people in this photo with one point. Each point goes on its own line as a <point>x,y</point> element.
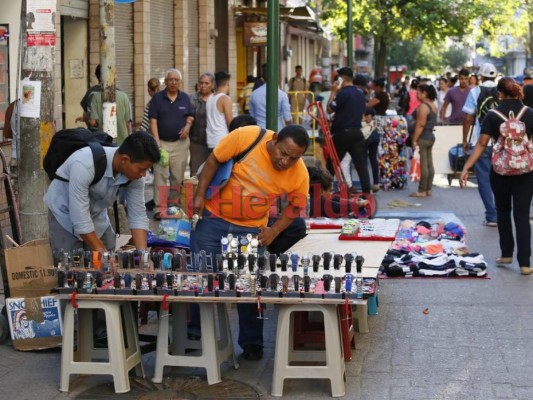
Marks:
<point>201,129</point>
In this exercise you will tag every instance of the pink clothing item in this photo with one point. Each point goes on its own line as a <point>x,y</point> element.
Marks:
<point>413,102</point>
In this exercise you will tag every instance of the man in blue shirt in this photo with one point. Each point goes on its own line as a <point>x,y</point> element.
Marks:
<point>258,106</point>
<point>487,73</point>
<point>77,210</point>
<point>348,103</point>
<point>170,122</point>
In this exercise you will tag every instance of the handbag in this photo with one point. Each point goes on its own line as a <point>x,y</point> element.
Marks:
<point>221,177</point>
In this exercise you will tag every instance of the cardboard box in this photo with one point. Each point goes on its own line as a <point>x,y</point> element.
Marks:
<point>30,276</point>
<point>30,269</point>
<point>35,323</point>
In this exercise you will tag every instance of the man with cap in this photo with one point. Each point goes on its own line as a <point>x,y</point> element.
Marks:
<point>348,103</point>
<point>487,73</point>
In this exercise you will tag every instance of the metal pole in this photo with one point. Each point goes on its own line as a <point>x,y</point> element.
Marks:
<point>349,35</point>
<point>272,64</point>
<point>36,125</point>
<point>107,62</point>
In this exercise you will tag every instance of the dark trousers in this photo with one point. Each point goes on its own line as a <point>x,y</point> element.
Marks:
<point>513,193</point>
<point>372,145</point>
<point>352,141</point>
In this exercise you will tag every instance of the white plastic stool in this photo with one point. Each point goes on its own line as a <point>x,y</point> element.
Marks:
<point>120,358</point>
<point>334,368</point>
<point>213,351</point>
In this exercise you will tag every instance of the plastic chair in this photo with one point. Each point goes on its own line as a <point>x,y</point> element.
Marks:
<point>333,367</point>
<point>213,351</point>
<point>121,355</point>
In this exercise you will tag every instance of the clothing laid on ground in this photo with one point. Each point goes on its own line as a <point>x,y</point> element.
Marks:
<point>255,177</point>
<point>513,194</point>
<point>217,126</point>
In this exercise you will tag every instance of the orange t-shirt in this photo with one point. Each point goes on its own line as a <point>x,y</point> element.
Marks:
<point>254,183</point>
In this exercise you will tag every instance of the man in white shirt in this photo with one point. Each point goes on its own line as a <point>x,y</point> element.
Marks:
<point>218,110</point>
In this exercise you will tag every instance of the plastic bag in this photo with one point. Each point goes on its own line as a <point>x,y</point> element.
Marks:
<point>164,160</point>
<point>414,170</point>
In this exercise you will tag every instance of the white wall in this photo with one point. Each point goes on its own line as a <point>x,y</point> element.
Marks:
<point>11,15</point>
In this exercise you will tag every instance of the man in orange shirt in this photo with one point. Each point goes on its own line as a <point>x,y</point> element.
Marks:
<point>271,169</point>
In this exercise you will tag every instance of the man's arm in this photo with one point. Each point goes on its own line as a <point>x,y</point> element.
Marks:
<point>468,122</point>
<point>184,132</point>
<point>443,110</point>
<point>267,234</point>
<point>154,131</point>
<point>139,238</point>
<point>210,168</point>
<point>286,109</point>
<point>225,107</point>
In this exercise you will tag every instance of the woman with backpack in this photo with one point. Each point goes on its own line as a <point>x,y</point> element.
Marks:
<point>511,175</point>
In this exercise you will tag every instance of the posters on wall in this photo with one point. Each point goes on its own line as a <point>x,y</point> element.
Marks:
<point>30,104</point>
<point>40,22</point>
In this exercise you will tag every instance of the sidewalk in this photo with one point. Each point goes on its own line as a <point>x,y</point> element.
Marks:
<point>475,342</point>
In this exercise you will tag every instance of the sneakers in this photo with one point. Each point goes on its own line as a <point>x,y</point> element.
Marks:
<point>491,224</point>
<point>526,270</point>
<point>252,352</point>
<point>504,260</point>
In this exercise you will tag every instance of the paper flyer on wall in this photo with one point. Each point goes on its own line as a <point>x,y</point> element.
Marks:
<point>37,321</point>
<point>30,106</point>
<point>40,16</point>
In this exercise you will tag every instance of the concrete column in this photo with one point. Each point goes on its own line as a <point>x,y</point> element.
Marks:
<point>141,62</point>
<point>206,22</point>
<point>181,46</point>
<point>232,54</point>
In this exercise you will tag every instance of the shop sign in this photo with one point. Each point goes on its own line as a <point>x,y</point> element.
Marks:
<point>255,33</point>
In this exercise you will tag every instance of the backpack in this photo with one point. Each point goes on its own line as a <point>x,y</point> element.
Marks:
<point>486,101</point>
<point>512,154</point>
<point>67,141</point>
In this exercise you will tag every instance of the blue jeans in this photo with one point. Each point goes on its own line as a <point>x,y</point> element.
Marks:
<point>206,236</point>
<point>483,168</point>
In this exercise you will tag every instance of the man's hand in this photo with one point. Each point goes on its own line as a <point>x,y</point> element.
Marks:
<point>198,205</point>
<point>266,236</point>
<point>466,147</point>
<point>464,178</point>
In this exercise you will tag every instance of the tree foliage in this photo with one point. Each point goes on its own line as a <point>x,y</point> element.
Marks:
<point>390,21</point>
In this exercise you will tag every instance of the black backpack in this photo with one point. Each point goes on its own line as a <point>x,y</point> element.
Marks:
<point>67,141</point>
<point>486,101</point>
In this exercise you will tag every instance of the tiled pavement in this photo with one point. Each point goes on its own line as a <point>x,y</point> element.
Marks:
<point>475,342</point>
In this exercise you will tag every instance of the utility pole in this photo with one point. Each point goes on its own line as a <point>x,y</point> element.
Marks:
<point>349,35</point>
<point>107,62</point>
<point>37,92</point>
<point>272,64</point>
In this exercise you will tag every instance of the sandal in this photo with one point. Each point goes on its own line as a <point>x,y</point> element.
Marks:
<point>429,194</point>
<point>418,194</point>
